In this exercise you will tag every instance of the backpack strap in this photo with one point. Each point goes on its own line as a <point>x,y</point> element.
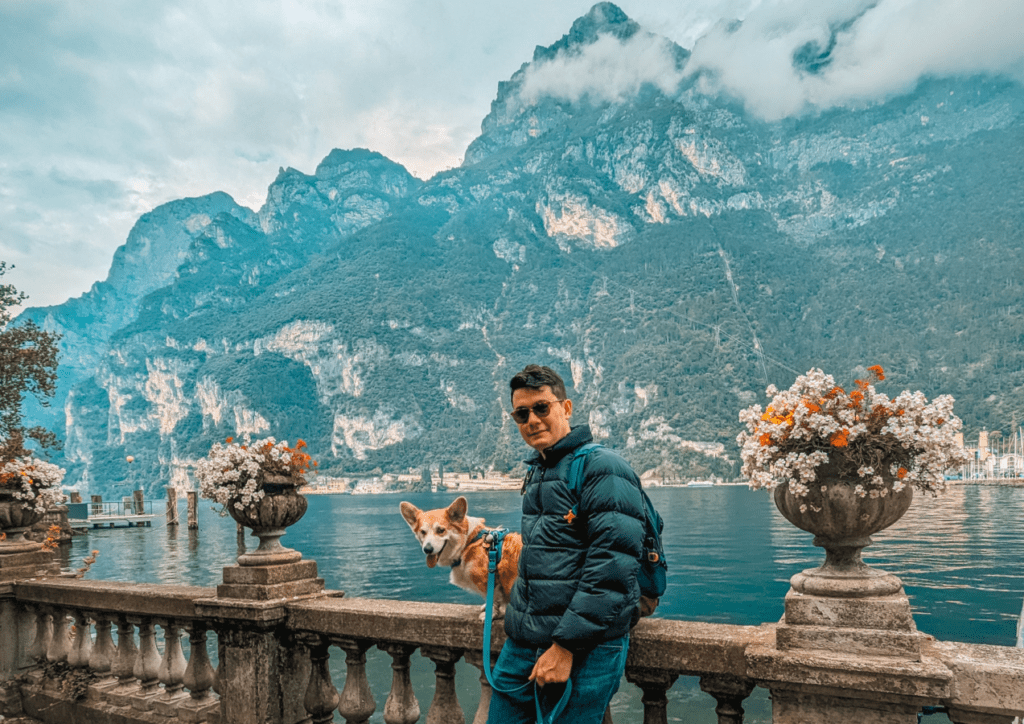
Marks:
<point>579,460</point>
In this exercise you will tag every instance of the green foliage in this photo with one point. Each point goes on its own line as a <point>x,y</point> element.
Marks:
<point>28,367</point>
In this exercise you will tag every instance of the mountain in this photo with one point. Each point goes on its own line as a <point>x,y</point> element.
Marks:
<point>667,251</point>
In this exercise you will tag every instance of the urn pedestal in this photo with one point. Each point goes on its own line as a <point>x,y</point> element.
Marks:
<point>19,556</point>
<point>271,571</point>
<point>845,605</point>
<point>847,648</point>
<point>16,518</point>
<point>269,518</point>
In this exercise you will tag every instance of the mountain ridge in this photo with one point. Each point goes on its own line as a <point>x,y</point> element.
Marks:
<point>668,252</point>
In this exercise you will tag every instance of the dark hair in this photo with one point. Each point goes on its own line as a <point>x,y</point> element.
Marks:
<point>535,376</point>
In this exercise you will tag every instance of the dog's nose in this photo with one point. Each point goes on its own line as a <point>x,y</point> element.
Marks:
<point>428,549</point>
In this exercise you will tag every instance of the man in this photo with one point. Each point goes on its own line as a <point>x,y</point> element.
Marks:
<point>576,596</point>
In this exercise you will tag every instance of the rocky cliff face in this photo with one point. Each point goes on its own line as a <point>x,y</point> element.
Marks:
<point>670,254</point>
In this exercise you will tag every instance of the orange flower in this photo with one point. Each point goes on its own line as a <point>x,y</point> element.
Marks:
<point>811,407</point>
<point>230,440</point>
<point>856,397</point>
<point>765,439</point>
<point>901,473</point>
<point>861,384</point>
<point>840,438</point>
<point>877,371</point>
<point>833,392</point>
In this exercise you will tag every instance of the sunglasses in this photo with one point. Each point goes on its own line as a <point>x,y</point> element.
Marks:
<point>540,409</point>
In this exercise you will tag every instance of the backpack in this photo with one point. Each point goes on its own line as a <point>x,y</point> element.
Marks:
<point>652,575</point>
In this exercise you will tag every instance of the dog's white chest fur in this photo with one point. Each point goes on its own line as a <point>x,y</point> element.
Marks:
<point>460,577</point>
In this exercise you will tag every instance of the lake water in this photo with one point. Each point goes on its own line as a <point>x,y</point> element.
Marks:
<point>730,556</point>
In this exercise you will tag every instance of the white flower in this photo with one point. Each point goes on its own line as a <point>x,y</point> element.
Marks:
<point>814,422</point>
<point>232,474</point>
<point>33,481</point>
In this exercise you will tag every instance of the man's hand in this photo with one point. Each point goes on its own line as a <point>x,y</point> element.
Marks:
<point>553,666</point>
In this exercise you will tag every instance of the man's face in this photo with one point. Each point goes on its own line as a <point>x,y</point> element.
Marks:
<point>540,433</point>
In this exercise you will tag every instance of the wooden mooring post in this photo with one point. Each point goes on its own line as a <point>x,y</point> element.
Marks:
<point>193,510</point>
<point>172,506</point>
<point>138,502</point>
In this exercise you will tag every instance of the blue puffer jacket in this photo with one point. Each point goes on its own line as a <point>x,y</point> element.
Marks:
<point>577,577</point>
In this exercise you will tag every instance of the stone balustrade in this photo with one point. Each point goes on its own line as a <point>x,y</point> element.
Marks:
<point>847,650</point>
<point>65,666</point>
<point>86,651</point>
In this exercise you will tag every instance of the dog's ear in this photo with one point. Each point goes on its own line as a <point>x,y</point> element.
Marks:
<point>410,512</point>
<point>457,510</point>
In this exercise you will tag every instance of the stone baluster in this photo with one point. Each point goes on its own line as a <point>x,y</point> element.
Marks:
<point>199,678</point>
<point>729,692</point>
<point>655,685</point>
<point>25,620</point>
<point>171,672</point>
<point>81,649</point>
<point>102,658</point>
<point>44,634</point>
<point>476,658</point>
<point>59,643</point>
<point>321,697</point>
<point>444,709</point>
<point>147,667</point>
<point>123,666</point>
<point>401,706</point>
<point>357,704</point>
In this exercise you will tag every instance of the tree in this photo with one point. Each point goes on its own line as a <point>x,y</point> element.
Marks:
<point>28,366</point>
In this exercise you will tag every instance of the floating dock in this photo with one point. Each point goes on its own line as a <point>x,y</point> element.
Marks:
<point>111,515</point>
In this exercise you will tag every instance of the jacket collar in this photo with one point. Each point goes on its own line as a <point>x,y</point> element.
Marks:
<point>579,435</point>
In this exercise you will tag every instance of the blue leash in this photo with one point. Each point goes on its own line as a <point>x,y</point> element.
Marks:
<point>494,540</point>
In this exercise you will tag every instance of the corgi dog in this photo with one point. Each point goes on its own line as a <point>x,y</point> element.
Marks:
<point>451,538</point>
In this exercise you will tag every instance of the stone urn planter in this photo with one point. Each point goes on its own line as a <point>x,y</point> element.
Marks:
<point>17,517</point>
<point>269,518</point>
<point>842,523</point>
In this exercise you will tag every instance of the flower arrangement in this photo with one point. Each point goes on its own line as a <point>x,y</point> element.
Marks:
<point>233,473</point>
<point>885,444</point>
<point>33,481</point>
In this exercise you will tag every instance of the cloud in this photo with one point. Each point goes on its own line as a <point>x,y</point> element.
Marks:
<point>870,50</point>
<point>609,69</point>
<point>110,108</point>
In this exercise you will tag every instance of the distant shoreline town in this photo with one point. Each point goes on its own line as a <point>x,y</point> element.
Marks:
<point>458,482</point>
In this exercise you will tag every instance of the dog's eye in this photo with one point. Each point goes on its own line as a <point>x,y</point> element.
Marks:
<point>440,531</point>
<point>423,532</point>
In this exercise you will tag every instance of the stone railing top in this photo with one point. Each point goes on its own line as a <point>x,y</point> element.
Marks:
<point>695,647</point>
<point>140,599</point>
<point>985,678</point>
<point>428,624</point>
<point>689,647</point>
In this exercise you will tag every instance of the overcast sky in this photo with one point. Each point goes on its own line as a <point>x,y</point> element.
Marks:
<point>109,108</point>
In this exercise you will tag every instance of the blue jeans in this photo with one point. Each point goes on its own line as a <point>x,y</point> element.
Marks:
<point>595,679</point>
